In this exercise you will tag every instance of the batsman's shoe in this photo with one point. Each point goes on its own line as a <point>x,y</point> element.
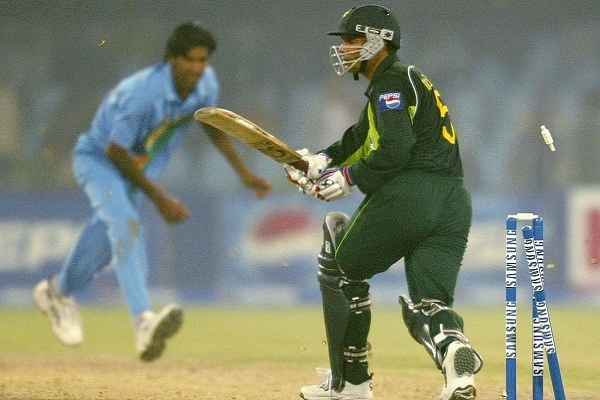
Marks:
<point>152,330</point>
<point>323,390</point>
<point>458,367</point>
<point>60,310</point>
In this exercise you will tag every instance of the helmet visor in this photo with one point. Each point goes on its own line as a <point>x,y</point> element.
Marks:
<point>343,60</point>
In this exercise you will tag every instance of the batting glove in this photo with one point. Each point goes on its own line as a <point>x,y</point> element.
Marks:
<point>334,184</point>
<point>298,178</point>
<point>317,163</point>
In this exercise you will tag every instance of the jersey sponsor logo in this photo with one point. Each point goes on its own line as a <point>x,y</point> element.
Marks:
<point>390,101</point>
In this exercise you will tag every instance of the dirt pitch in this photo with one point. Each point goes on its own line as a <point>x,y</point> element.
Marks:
<point>119,378</point>
<point>37,378</point>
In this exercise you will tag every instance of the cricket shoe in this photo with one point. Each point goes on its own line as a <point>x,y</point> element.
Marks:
<point>323,390</point>
<point>458,367</point>
<point>60,310</point>
<point>152,330</point>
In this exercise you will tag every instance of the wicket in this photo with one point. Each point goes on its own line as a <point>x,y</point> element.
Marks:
<point>542,336</point>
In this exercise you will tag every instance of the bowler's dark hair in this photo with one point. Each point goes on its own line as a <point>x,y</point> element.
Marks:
<point>188,35</point>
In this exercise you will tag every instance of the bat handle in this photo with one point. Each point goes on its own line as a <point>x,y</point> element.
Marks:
<point>301,164</point>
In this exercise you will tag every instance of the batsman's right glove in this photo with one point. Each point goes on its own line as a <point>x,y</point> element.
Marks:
<point>334,184</point>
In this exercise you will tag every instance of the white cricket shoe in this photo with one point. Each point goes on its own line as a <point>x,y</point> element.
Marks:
<point>61,311</point>
<point>362,391</point>
<point>152,330</point>
<point>458,367</point>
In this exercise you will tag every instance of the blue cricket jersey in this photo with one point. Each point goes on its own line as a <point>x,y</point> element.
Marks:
<point>144,114</point>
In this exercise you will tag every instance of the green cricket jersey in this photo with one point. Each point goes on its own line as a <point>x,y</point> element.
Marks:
<point>404,126</point>
<point>403,154</point>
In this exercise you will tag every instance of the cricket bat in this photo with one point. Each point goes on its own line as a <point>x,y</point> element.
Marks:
<point>251,134</point>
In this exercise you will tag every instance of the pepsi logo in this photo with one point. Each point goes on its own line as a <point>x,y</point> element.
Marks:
<point>391,100</point>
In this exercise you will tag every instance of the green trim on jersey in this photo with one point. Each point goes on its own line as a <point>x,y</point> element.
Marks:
<point>371,141</point>
<point>159,138</point>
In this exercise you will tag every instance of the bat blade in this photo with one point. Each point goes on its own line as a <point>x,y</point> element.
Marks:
<point>250,133</point>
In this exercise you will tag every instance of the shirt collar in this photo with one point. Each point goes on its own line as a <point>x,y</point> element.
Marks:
<point>381,68</point>
<point>172,94</point>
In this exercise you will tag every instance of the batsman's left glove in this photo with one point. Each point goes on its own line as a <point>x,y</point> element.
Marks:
<point>299,179</point>
<point>333,184</point>
<point>317,163</point>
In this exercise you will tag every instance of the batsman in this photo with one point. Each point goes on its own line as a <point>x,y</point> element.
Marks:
<point>403,154</point>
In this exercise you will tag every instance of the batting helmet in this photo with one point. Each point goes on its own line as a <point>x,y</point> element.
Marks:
<point>356,20</point>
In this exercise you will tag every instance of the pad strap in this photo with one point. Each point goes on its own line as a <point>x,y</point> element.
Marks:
<point>360,304</point>
<point>352,354</point>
